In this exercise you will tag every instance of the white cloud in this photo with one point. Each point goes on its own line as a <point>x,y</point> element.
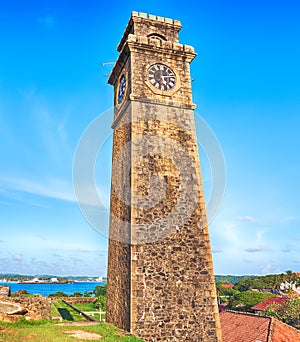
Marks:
<point>257,249</point>
<point>56,189</point>
<point>65,266</point>
<point>56,255</point>
<point>246,219</point>
<point>270,268</point>
<point>289,248</point>
<point>58,246</point>
<point>17,257</point>
<point>53,188</point>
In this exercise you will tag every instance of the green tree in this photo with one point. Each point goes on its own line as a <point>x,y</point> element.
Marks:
<point>244,284</point>
<point>223,291</point>
<point>244,301</point>
<point>268,282</point>
<point>100,293</point>
<point>278,280</point>
<point>99,290</point>
<point>291,277</point>
<point>58,294</point>
<point>288,313</point>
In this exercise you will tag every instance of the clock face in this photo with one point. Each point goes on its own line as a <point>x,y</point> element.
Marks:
<point>161,77</point>
<point>121,88</point>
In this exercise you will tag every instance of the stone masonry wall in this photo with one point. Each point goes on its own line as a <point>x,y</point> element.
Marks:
<point>160,271</point>
<point>4,291</point>
<point>118,283</point>
<point>38,307</point>
<point>173,293</point>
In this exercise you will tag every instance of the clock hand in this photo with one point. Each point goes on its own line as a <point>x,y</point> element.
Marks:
<point>166,76</point>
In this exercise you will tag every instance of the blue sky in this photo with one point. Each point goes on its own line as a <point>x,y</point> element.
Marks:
<point>246,86</point>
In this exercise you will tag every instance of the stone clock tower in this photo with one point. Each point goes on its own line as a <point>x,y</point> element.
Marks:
<point>160,272</point>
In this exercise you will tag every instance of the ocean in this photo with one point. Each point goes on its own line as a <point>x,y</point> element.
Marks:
<point>46,289</point>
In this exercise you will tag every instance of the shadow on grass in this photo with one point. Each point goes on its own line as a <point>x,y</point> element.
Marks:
<point>65,314</point>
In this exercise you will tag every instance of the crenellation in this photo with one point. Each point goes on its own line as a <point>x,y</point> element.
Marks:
<point>152,17</point>
<point>143,15</point>
<point>168,21</point>
<point>177,22</point>
<point>160,19</point>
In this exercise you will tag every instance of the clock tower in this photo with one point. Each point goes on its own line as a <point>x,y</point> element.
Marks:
<point>160,271</point>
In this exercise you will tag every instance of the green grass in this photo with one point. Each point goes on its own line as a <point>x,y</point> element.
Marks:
<point>54,312</point>
<point>47,331</point>
<point>86,306</point>
<point>29,295</point>
<point>97,317</point>
<point>67,313</point>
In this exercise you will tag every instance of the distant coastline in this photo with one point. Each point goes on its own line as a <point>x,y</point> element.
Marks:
<point>46,278</point>
<point>45,289</point>
<point>44,282</point>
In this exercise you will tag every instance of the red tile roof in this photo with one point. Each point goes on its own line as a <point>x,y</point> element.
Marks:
<point>271,300</point>
<point>240,327</point>
<point>281,332</point>
<point>228,286</point>
<point>245,327</point>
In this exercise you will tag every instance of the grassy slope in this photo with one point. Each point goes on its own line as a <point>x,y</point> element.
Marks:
<point>86,307</point>
<point>49,332</point>
<point>90,307</point>
<point>54,312</point>
<point>67,313</point>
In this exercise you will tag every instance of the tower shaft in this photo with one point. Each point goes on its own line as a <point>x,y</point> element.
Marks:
<point>160,270</point>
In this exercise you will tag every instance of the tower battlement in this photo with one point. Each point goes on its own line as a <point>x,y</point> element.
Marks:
<point>157,18</point>
<point>143,24</point>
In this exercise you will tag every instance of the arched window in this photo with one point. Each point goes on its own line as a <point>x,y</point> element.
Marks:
<point>156,39</point>
<point>157,36</point>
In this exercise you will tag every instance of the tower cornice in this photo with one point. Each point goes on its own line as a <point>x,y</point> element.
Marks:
<point>149,46</point>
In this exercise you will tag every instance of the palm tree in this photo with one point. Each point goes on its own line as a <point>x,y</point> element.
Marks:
<point>277,283</point>
<point>291,280</point>
<point>289,276</point>
<point>297,281</point>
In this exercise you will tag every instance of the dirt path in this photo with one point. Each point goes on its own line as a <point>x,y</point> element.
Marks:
<point>78,324</point>
<point>85,335</point>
